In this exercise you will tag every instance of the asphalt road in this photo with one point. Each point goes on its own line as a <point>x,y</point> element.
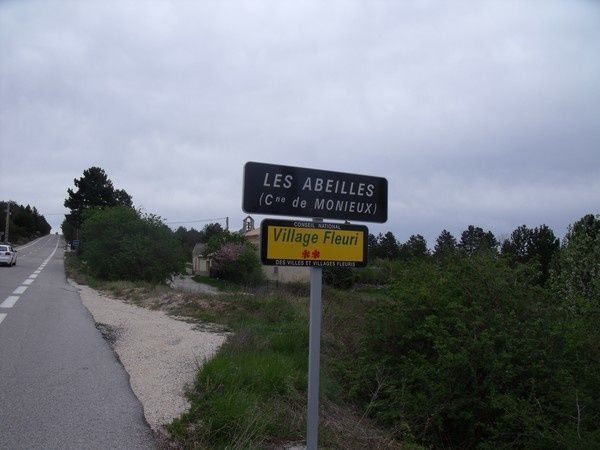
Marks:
<point>61,385</point>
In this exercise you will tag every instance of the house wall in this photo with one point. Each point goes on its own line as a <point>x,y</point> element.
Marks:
<point>287,274</point>
<point>201,266</point>
<point>281,274</point>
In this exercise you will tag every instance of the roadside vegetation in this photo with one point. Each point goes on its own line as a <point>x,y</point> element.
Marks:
<point>252,394</point>
<point>483,344</point>
<point>128,253</point>
<point>25,223</point>
<point>476,344</point>
<point>120,243</point>
<point>116,241</point>
<point>455,351</point>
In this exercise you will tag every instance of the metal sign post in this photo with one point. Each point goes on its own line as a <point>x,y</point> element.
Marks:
<point>314,353</point>
<point>302,192</point>
<point>314,245</point>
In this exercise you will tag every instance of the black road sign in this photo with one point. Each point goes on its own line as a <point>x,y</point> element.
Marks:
<point>296,191</point>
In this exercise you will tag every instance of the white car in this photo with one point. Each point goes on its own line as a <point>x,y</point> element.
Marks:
<point>8,255</point>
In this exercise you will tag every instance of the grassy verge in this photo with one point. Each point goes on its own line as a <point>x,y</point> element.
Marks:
<point>140,293</point>
<point>75,268</point>
<point>252,394</point>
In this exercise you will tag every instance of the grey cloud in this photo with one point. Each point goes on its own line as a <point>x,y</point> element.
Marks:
<point>481,113</point>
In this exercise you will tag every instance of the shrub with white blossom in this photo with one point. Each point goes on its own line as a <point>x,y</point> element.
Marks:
<point>238,263</point>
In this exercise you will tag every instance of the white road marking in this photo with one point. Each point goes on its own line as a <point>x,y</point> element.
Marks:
<point>9,302</point>
<point>51,254</point>
<point>37,241</point>
<point>29,245</point>
<point>12,299</point>
<point>20,290</point>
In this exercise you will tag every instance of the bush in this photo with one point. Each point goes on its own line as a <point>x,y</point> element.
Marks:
<point>472,356</point>
<point>339,277</point>
<point>377,273</point>
<point>238,262</point>
<point>120,244</point>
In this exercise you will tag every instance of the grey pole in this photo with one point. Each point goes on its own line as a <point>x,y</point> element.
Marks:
<point>314,353</point>
<point>7,220</point>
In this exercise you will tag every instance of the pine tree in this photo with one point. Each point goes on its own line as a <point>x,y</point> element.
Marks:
<point>445,245</point>
<point>94,190</point>
<point>388,246</point>
<point>474,240</point>
<point>415,246</point>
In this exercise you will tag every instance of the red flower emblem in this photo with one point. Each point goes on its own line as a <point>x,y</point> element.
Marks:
<point>316,254</point>
<point>305,254</point>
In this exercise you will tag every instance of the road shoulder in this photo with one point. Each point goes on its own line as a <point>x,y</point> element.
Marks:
<point>161,354</point>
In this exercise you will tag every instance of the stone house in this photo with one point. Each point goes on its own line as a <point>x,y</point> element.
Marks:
<point>201,265</point>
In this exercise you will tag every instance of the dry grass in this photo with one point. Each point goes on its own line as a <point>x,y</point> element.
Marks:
<point>349,430</point>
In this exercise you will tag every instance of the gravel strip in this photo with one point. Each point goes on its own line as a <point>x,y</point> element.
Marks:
<point>186,284</point>
<point>161,354</point>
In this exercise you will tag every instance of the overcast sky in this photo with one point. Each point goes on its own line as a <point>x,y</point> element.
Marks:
<point>484,113</point>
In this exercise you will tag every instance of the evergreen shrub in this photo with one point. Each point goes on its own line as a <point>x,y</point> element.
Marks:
<point>120,243</point>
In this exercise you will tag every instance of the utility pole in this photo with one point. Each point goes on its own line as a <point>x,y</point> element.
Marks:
<point>226,223</point>
<point>7,219</point>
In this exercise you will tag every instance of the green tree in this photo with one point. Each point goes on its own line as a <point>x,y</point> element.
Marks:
<point>388,245</point>
<point>474,240</point>
<point>544,248</point>
<point>445,245</point>
<point>517,246</point>
<point>68,230</point>
<point>218,240</point>
<point>578,272</point>
<point>415,246</point>
<point>373,247</point>
<point>211,230</point>
<point>25,222</point>
<point>188,238</point>
<point>575,279</point>
<point>119,243</point>
<point>94,190</point>
<point>534,246</point>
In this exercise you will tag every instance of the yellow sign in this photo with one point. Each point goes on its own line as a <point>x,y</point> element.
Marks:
<point>313,243</point>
